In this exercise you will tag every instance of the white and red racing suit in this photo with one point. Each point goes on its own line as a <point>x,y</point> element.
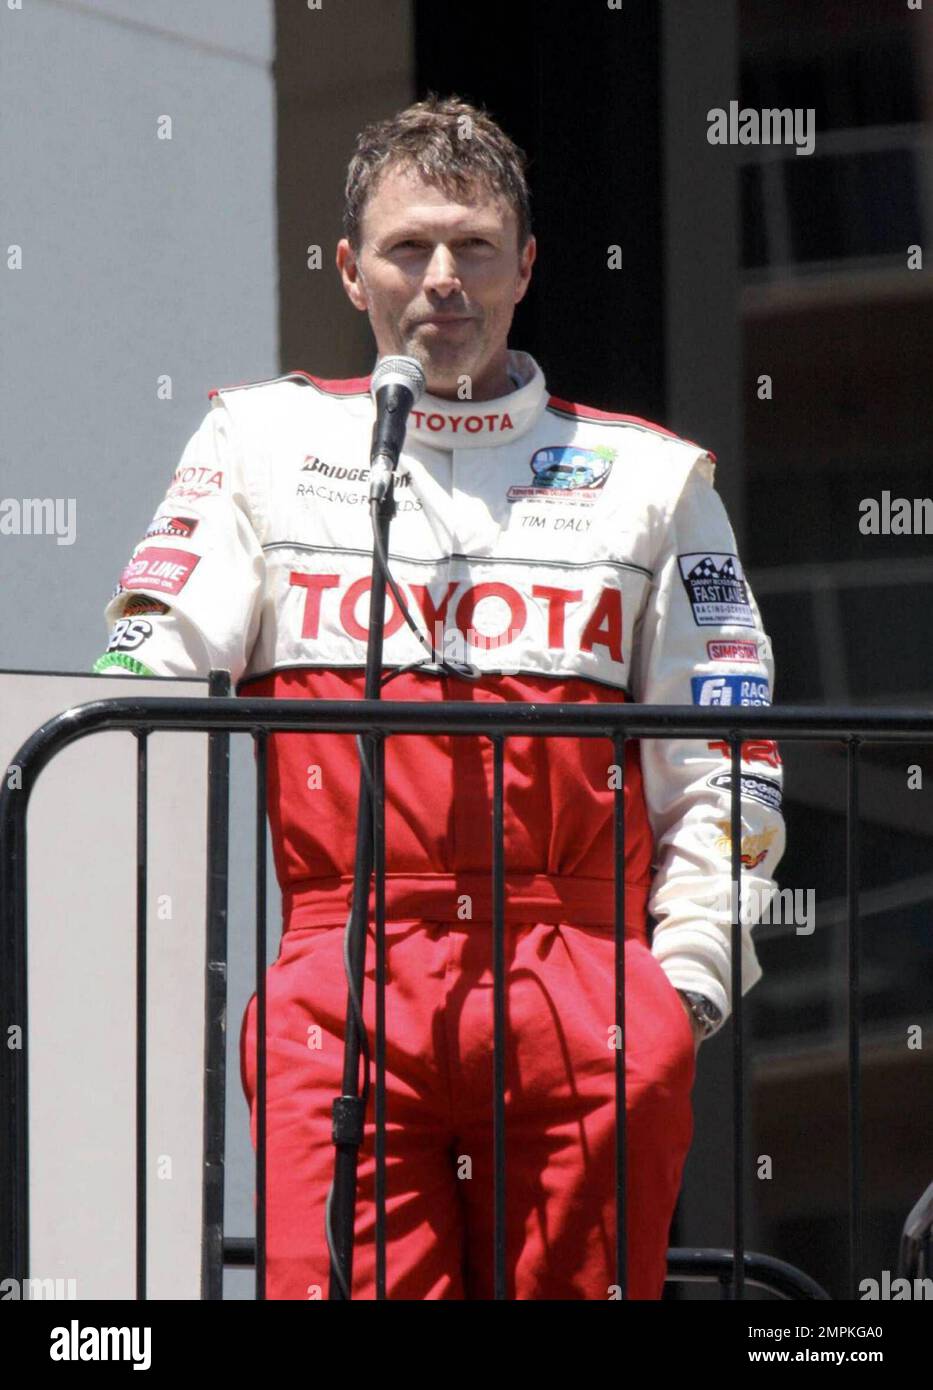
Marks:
<point>571,555</point>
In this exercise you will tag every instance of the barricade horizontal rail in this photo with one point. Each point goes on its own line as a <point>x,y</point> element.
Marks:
<point>684,1265</point>
<point>221,715</point>
<point>464,717</point>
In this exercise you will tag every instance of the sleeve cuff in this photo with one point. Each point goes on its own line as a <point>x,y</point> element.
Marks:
<point>685,972</point>
<point>123,662</point>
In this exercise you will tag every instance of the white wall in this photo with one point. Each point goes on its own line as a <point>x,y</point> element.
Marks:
<point>140,257</point>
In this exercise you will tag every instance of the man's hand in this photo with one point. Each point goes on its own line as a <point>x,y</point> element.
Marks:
<point>697,1030</point>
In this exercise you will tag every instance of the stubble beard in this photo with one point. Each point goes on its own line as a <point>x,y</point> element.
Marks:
<point>444,367</point>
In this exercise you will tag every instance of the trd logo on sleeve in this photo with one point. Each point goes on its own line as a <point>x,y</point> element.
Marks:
<point>754,750</point>
<point>716,588</point>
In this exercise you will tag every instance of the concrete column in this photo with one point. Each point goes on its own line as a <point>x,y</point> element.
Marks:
<point>703,338</point>
<point>702,238</point>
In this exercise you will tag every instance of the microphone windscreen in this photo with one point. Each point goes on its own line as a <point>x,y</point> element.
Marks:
<point>399,371</point>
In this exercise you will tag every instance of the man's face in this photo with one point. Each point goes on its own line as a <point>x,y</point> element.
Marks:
<point>439,279</point>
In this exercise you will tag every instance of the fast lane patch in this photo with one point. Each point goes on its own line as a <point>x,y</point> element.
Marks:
<point>716,588</point>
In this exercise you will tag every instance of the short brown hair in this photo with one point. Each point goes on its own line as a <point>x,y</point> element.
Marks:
<point>427,137</point>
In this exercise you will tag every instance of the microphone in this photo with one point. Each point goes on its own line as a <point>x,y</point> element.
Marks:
<point>397,383</point>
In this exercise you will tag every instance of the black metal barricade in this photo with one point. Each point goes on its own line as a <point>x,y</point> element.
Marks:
<point>377,720</point>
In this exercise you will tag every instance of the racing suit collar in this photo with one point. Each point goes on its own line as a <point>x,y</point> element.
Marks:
<point>445,424</point>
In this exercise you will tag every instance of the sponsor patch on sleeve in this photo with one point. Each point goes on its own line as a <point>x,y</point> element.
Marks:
<point>733,651</point>
<point>754,788</point>
<point>167,525</point>
<point>754,750</point>
<point>142,603</point>
<point>128,634</point>
<point>165,570</point>
<point>195,482</point>
<point>730,690</point>
<point>754,847</point>
<point>716,589</point>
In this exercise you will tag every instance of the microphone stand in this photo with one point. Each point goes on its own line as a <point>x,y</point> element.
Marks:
<point>349,1107</point>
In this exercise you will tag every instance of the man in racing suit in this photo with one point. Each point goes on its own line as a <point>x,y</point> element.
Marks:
<point>569,554</point>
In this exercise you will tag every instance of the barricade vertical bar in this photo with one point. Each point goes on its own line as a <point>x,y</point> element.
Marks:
<point>142,865</point>
<point>379,865</point>
<point>215,1002</point>
<point>498,929</point>
<point>854,1016</point>
<point>738,1099</point>
<point>14,1072</point>
<point>619,927</point>
<point>260,745</point>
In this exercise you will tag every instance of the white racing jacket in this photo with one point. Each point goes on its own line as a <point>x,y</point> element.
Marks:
<point>569,554</point>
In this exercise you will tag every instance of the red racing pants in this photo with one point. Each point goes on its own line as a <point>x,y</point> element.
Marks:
<point>560,1111</point>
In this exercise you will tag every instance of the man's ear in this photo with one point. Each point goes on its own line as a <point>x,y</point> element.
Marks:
<point>525,261</point>
<point>351,275</point>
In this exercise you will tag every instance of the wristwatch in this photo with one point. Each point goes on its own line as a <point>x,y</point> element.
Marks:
<point>703,1010</point>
